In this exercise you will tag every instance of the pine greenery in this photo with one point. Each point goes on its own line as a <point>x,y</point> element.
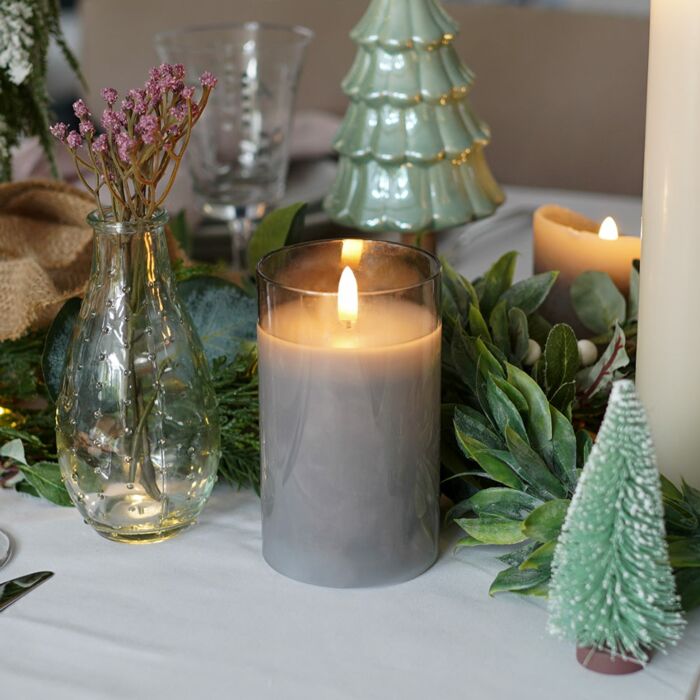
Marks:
<point>612,585</point>
<point>26,30</point>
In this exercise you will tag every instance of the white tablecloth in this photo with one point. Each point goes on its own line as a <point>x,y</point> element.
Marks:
<point>203,616</point>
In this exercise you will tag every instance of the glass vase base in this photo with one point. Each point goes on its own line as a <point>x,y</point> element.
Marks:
<point>136,536</point>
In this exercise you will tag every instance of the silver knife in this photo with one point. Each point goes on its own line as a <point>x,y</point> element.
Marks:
<point>11,591</point>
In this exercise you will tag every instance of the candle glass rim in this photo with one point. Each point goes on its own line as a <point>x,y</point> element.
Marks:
<point>433,261</point>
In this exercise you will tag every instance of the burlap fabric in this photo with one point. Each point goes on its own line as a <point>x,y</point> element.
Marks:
<point>45,252</point>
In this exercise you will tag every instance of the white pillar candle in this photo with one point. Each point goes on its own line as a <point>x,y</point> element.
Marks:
<point>350,414</point>
<point>668,364</point>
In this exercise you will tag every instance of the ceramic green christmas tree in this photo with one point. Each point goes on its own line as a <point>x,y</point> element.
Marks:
<point>411,149</point>
<point>612,588</point>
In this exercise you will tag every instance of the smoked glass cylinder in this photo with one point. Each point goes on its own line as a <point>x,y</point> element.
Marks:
<point>350,413</point>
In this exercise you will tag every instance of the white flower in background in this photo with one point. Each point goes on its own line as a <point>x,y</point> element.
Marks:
<point>15,40</point>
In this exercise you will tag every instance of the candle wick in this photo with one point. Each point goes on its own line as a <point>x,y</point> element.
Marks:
<point>348,324</point>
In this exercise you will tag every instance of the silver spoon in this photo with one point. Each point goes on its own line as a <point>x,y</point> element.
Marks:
<point>5,548</point>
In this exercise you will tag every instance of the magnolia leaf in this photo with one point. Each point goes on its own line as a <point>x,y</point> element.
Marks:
<point>487,362</point>
<point>564,449</point>
<point>541,558</point>
<point>497,280</point>
<point>503,503</point>
<point>519,554</point>
<point>545,522</point>
<point>519,331</point>
<point>563,398</point>
<point>14,450</point>
<point>468,541</point>
<point>599,377</point>
<point>45,477</point>
<point>529,294</point>
<point>561,358</point>
<point>279,228</point>
<point>222,314</point>
<point>517,399</point>
<point>532,467</point>
<point>633,302</point>
<point>598,303</point>
<point>56,346</point>
<point>685,553</point>
<point>516,580</point>
<point>493,530</point>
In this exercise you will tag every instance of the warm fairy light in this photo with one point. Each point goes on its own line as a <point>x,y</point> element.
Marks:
<point>608,230</point>
<point>352,252</point>
<point>347,297</point>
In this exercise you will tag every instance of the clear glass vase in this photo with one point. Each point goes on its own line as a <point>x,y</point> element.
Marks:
<point>136,423</point>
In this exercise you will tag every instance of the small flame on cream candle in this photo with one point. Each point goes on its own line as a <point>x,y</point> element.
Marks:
<point>347,297</point>
<point>352,251</point>
<point>608,230</point>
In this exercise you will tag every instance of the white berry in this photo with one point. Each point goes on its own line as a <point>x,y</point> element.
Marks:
<point>587,352</point>
<point>534,352</point>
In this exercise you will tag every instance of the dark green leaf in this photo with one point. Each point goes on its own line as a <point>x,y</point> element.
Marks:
<point>669,489</point>
<point>471,423</point>
<point>684,553</point>
<point>45,477</point>
<point>491,461</point>
<point>279,228</point>
<point>488,364</point>
<point>477,325</point>
<point>464,357</point>
<point>222,314</point>
<point>545,522</point>
<point>541,558</point>
<point>563,398</point>
<point>598,303</point>
<point>584,445</point>
<point>561,359</point>
<point>514,580</point>
<point>680,517</point>
<point>564,449</point>
<point>519,554</point>
<point>512,393</point>
<point>503,410</point>
<point>539,328</point>
<point>539,417</point>
<point>468,541</point>
<point>58,339</point>
<point>692,497</point>
<point>500,331</point>
<point>519,332</point>
<point>688,585</point>
<point>503,503</point>
<point>493,530</point>
<point>533,468</point>
<point>497,280</point>
<point>529,294</point>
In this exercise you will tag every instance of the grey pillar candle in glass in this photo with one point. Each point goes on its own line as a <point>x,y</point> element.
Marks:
<point>349,340</point>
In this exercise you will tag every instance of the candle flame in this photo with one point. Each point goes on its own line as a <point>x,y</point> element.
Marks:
<point>608,230</point>
<point>352,251</point>
<point>347,297</point>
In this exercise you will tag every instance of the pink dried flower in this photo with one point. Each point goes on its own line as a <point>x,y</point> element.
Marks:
<point>179,111</point>
<point>148,128</point>
<point>178,71</point>
<point>59,130</point>
<point>100,145</point>
<point>87,129</point>
<point>125,145</point>
<point>208,80</point>
<point>127,104</point>
<point>187,93</point>
<point>80,109</point>
<point>74,140</point>
<point>111,120</point>
<point>109,95</point>
<point>139,99</point>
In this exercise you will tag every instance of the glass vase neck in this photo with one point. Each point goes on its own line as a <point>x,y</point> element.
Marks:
<point>107,223</point>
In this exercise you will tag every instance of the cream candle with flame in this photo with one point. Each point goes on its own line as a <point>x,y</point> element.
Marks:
<point>573,244</point>
<point>350,406</point>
